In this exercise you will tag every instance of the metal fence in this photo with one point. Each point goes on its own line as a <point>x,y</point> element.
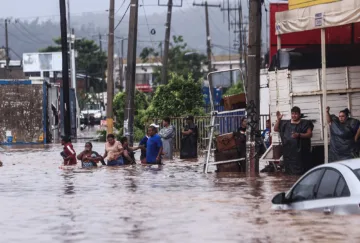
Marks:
<point>227,123</point>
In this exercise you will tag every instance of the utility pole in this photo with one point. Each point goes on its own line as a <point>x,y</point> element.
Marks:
<point>72,55</point>
<point>7,44</point>
<point>208,37</point>
<point>253,86</point>
<point>167,43</point>
<point>131,72</point>
<point>102,71</point>
<point>65,69</point>
<point>121,64</point>
<point>110,73</point>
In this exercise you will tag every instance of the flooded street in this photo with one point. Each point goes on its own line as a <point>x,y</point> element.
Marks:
<point>176,203</point>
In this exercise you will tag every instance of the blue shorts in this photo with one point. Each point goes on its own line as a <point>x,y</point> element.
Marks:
<point>89,164</point>
<point>119,161</point>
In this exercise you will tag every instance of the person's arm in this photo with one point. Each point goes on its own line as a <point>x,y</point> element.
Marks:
<point>167,133</point>
<point>159,154</point>
<point>188,132</point>
<point>120,148</point>
<point>278,121</point>
<point>308,134</point>
<point>357,135</point>
<point>160,146</point>
<point>127,156</point>
<point>79,157</point>
<point>328,117</point>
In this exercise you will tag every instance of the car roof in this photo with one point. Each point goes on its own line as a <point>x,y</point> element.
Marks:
<point>353,164</point>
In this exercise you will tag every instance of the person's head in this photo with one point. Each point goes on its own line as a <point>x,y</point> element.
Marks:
<point>189,119</point>
<point>166,121</point>
<point>344,115</point>
<point>295,113</point>
<point>124,141</point>
<point>243,122</point>
<point>65,139</point>
<point>111,139</point>
<point>152,131</point>
<point>88,146</point>
<point>268,125</point>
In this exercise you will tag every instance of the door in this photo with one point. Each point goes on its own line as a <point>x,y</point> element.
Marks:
<point>305,190</point>
<point>332,186</point>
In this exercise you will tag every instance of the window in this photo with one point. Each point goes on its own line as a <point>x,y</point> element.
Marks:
<point>357,173</point>
<point>342,189</point>
<point>328,184</point>
<point>306,188</point>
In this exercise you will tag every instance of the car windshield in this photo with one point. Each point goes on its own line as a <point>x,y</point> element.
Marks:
<point>92,107</point>
<point>357,173</point>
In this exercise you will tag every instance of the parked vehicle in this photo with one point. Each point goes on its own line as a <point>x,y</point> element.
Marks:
<point>331,188</point>
<point>92,113</point>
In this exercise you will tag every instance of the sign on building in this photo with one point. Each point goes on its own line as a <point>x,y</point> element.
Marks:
<point>42,62</point>
<point>294,4</point>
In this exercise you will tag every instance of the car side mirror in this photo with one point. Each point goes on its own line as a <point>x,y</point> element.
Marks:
<point>279,199</point>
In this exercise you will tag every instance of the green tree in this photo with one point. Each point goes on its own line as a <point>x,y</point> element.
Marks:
<point>90,61</point>
<point>141,104</point>
<point>182,60</point>
<point>237,88</point>
<point>181,96</point>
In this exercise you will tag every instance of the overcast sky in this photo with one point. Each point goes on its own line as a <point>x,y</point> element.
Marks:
<point>32,8</point>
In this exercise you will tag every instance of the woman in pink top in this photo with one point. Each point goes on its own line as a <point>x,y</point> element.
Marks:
<point>113,151</point>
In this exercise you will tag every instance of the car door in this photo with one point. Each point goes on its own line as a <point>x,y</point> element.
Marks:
<point>304,190</point>
<point>326,194</point>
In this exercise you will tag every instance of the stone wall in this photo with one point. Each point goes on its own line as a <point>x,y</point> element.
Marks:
<point>21,111</point>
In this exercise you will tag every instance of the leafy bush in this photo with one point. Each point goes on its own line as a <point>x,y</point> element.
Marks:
<point>181,96</point>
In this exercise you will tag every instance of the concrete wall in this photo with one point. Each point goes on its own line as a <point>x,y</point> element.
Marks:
<point>21,111</point>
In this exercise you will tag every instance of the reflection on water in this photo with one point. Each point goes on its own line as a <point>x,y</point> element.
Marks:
<point>171,203</point>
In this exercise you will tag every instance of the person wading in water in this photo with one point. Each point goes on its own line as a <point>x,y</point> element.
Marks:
<point>296,141</point>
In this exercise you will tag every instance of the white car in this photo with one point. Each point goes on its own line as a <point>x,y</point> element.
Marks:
<point>330,188</point>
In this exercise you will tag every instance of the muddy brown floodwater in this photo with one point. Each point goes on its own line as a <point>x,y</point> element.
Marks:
<point>176,203</point>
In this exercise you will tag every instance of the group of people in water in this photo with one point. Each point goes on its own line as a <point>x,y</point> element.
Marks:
<point>155,147</point>
<point>296,135</point>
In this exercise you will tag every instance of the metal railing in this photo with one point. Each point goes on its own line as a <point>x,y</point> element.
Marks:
<point>227,124</point>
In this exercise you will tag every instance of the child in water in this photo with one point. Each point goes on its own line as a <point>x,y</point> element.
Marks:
<point>69,154</point>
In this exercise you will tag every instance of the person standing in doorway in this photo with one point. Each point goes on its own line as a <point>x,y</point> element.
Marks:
<point>296,139</point>
<point>167,134</point>
<point>154,147</point>
<point>189,140</point>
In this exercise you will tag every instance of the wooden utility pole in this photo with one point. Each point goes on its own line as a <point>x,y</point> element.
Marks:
<point>253,85</point>
<point>131,72</point>
<point>7,44</point>
<point>208,37</point>
<point>102,71</point>
<point>110,71</point>
<point>65,69</point>
<point>167,43</point>
<point>121,64</point>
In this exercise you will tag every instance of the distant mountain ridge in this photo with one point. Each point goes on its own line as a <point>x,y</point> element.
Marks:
<point>30,36</point>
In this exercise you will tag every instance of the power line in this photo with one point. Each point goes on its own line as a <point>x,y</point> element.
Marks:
<point>120,7</point>
<point>122,17</point>
<point>147,23</point>
<point>30,34</point>
<point>16,37</point>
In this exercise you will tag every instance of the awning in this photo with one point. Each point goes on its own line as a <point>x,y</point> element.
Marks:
<point>318,16</point>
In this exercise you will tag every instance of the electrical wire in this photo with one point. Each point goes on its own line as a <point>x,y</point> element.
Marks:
<point>147,23</point>
<point>16,37</point>
<point>123,16</point>
<point>120,7</point>
<point>30,34</point>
